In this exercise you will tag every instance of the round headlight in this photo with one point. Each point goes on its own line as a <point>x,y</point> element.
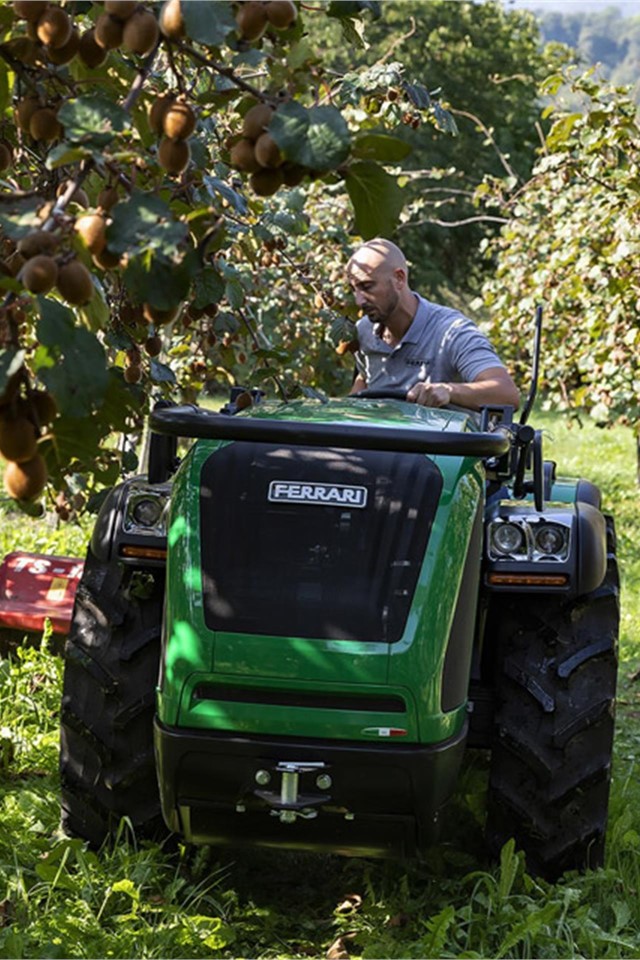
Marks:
<point>507,538</point>
<point>550,539</point>
<point>147,512</point>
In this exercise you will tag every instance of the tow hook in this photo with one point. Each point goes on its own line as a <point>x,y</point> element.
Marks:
<point>290,804</point>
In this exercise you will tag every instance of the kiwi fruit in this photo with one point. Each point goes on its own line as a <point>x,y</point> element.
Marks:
<point>281,13</point>
<point>108,32</point>
<point>6,155</point>
<point>74,283</point>
<point>44,406</point>
<point>268,152</point>
<point>243,156</point>
<point>106,259</point>
<point>90,52</point>
<point>141,32</point>
<point>107,198</point>
<point>120,9</point>
<point>265,182</point>
<point>61,55</point>
<point>178,120</point>
<point>256,120</point>
<point>37,242</point>
<point>155,315</point>
<point>293,174</point>
<point>133,373</point>
<point>25,109</point>
<point>18,440</point>
<point>157,111</point>
<point>92,228</point>
<point>30,10</point>
<point>173,155</point>
<point>54,27</point>
<point>24,481</point>
<point>39,274</point>
<point>171,20</point>
<point>153,345</point>
<point>251,20</point>
<point>44,124</point>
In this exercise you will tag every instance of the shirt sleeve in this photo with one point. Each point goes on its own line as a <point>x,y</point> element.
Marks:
<point>470,350</point>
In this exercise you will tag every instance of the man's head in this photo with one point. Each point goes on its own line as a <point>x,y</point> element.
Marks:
<point>378,275</point>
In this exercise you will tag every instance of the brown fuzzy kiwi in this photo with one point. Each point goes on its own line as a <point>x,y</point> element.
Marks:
<point>108,32</point>
<point>153,345</point>
<point>251,20</point>
<point>39,274</point>
<point>268,152</point>
<point>256,120</point>
<point>44,407</point>
<point>178,120</point>
<point>171,20</point>
<point>243,156</point>
<point>281,13</point>
<point>44,124</point>
<point>120,9</point>
<point>90,52</point>
<point>155,315</point>
<point>27,51</point>
<point>133,373</point>
<point>25,109</point>
<point>30,10</point>
<point>37,242</point>
<point>141,32</point>
<point>265,182</point>
<point>54,27</point>
<point>6,155</point>
<point>107,198</point>
<point>92,228</point>
<point>157,111</point>
<point>24,481</point>
<point>18,440</point>
<point>106,259</point>
<point>293,174</point>
<point>74,283</point>
<point>174,155</point>
<point>61,55</point>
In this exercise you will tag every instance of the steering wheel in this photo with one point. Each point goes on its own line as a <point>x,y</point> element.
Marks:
<point>391,393</point>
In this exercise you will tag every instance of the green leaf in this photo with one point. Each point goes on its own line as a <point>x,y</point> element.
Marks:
<point>64,153</point>
<point>160,281</point>
<point>19,217</point>
<point>217,187</point>
<point>354,8</point>
<point>234,294</point>
<point>376,197</point>
<point>11,359</point>
<point>317,138</point>
<point>70,360</point>
<point>92,120</point>
<point>208,23</point>
<point>144,223</point>
<point>161,373</point>
<point>561,130</point>
<point>208,287</point>
<point>380,146</point>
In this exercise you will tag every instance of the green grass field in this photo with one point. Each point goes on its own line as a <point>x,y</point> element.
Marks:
<point>57,899</point>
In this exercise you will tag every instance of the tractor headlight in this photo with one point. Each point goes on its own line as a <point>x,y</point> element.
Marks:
<point>551,540</point>
<point>508,539</point>
<point>146,510</point>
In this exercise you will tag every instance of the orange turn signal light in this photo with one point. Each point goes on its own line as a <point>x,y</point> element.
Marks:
<point>143,553</point>
<point>528,580</point>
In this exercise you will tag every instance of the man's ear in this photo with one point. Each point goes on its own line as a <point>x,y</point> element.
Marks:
<point>400,276</point>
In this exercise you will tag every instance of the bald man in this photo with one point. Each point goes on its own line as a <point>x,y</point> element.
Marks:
<point>436,354</point>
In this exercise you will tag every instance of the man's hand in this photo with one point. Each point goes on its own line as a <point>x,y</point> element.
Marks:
<point>429,394</point>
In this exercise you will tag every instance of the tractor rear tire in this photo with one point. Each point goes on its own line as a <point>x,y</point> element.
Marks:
<point>107,768</point>
<point>551,757</point>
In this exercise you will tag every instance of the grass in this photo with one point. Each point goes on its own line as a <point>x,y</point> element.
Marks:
<point>57,899</point>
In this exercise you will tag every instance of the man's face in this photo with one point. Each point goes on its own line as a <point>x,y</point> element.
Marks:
<point>375,288</point>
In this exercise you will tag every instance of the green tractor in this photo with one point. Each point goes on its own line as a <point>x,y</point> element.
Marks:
<point>292,636</point>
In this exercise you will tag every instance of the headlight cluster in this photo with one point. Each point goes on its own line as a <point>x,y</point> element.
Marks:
<point>146,511</point>
<point>528,539</point>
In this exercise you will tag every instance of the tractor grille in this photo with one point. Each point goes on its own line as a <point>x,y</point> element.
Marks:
<point>317,700</point>
<point>340,562</point>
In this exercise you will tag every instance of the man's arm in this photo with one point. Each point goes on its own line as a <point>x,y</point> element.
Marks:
<point>359,383</point>
<point>493,386</point>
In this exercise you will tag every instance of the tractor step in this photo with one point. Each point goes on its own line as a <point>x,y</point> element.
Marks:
<point>35,587</point>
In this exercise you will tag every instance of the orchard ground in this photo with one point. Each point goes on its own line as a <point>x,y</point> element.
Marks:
<point>58,899</point>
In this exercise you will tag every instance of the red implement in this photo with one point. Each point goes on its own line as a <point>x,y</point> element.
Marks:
<point>34,586</point>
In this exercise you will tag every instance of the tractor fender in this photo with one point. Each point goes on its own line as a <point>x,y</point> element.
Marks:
<point>109,521</point>
<point>592,547</point>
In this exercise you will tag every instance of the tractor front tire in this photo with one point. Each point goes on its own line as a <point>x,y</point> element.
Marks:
<point>107,768</point>
<point>551,757</point>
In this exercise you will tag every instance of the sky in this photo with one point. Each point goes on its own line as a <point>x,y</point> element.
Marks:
<point>627,7</point>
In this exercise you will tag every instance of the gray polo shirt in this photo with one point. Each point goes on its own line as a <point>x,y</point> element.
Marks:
<point>441,344</point>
